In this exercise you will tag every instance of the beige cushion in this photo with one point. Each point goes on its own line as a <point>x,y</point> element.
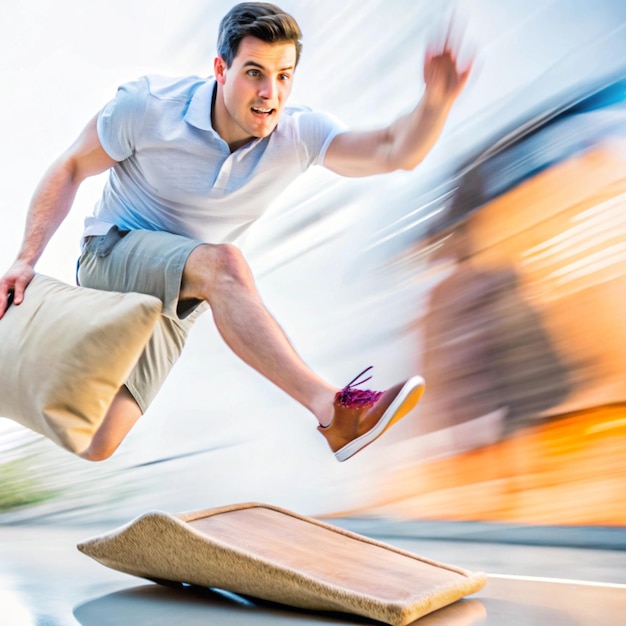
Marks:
<point>65,351</point>
<point>266,552</point>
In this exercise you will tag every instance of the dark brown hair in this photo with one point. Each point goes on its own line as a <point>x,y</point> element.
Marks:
<point>256,19</point>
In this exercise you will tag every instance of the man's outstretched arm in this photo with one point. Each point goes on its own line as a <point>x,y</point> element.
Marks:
<point>405,143</point>
<point>50,205</point>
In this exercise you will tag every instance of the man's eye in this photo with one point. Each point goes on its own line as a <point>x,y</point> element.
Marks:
<point>253,73</point>
<point>285,77</point>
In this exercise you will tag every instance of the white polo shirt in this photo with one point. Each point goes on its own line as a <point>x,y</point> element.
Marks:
<point>176,174</point>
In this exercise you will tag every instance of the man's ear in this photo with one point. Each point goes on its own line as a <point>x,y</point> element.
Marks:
<point>219,68</point>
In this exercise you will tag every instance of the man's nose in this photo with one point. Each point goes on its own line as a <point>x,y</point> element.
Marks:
<point>268,89</point>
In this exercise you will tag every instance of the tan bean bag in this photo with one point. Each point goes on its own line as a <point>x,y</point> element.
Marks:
<point>64,353</point>
<point>273,554</point>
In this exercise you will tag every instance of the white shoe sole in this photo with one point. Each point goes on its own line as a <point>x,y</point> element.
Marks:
<point>403,403</point>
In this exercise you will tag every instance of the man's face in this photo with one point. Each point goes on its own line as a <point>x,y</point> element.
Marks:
<point>252,92</point>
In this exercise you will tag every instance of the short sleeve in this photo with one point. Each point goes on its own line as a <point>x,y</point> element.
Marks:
<point>121,119</point>
<point>317,130</point>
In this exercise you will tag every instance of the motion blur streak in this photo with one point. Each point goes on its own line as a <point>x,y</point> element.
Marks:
<point>523,335</point>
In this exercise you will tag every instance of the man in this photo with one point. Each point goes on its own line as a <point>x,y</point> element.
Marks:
<point>192,163</point>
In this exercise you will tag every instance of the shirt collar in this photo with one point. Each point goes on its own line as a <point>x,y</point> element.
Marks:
<point>199,110</point>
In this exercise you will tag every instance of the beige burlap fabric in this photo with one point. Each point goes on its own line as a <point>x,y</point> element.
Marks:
<point>65,351</point>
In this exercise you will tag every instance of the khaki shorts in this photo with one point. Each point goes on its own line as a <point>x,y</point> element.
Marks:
<point>152,263</point>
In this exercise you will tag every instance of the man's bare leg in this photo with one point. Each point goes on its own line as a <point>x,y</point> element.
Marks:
<point>220,275</point>
<point>120,418</point>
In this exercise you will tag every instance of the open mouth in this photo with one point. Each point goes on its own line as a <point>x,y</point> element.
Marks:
<point>262,111</point>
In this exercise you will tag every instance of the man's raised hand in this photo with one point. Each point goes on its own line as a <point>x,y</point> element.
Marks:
<point>444,75</point>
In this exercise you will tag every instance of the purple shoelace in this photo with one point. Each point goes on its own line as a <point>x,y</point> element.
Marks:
<point>351,397</point>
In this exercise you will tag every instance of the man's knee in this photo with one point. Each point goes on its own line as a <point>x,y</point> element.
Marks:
<point>212,268</point>
<point>230,263</point>
<point>120,418</point>
<point>97,453</point>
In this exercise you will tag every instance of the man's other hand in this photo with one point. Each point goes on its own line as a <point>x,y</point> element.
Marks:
<point>14,283</point>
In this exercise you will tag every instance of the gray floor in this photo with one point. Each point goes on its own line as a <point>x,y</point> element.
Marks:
<point>45,581</point>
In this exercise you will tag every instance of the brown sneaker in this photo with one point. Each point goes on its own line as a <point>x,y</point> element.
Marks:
<point>361,416</point>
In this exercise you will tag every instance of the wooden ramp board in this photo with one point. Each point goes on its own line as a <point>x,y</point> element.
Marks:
<point>274,554</point>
